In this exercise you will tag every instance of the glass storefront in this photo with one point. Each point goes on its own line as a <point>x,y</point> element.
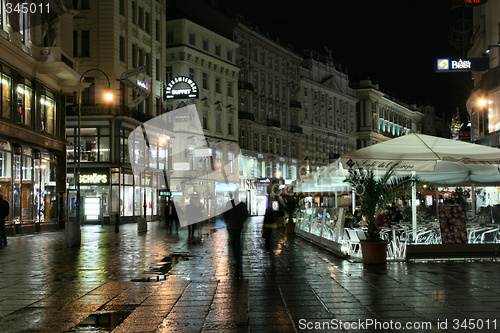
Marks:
<point>27,181</point>
<point>95,144</point>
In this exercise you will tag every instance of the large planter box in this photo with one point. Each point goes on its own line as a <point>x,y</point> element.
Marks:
<point>374,252</point>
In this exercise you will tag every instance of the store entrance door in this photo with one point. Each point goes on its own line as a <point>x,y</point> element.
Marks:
<point>92,210</point>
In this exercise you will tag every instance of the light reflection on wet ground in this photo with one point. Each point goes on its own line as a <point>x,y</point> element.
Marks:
<point>45,286</point>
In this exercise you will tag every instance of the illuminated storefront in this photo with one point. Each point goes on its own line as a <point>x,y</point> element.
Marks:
<point>31,140</point>
<point>106,173</point>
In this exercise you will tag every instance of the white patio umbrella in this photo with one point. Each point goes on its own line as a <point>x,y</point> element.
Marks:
<point>433,159</point>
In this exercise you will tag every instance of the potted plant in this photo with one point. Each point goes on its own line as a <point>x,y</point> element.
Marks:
<point>459,197</point>
<point>375,192</point>
<point>290,205</point>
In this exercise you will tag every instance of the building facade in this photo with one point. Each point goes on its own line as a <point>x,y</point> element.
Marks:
<point>37,75</point>
<point>209,60</point>
<point>433,123</point>
<point>111,38</point>
<point>380,117</point>
<point>269,113</point>
<point>483,104</point>
<point>328,115</point>
<point>144,49</point>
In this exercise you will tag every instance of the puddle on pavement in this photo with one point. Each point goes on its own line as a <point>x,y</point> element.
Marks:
<point>101,322</point>
<point>160,270</point>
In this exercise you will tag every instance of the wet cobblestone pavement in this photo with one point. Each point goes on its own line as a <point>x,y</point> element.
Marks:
<point>123,283</point>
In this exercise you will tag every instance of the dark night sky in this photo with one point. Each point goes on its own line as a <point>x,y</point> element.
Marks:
<point>393,42</point>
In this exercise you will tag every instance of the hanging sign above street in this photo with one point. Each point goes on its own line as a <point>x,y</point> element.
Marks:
<point>137,101</point>
<point>137,89</point>
<point>133,72</point>
<point>181,87</point>
<point>444,65</point>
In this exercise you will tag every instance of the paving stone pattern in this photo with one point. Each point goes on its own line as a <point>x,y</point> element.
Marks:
<point>120,281</point>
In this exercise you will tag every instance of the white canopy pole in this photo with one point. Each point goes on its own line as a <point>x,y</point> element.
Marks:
<point>336,200</point>
<point>437,203</point>
<point>353,201</point>
<point>473,198</point>
<point>414,206</point>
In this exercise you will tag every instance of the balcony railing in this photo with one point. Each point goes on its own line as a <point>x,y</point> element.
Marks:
<point>295,104</point>
<point>245,85</point>
<point>333,156</point>
<point>296,129</point>
<point>103,109</point>
<point>273,123</point>
<point>246,115</point>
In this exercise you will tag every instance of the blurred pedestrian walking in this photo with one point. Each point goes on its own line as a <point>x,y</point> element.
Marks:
<point>235,215</point>
<point>268,228</point>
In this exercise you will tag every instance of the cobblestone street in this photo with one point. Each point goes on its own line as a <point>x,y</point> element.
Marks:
<point>124,282</point>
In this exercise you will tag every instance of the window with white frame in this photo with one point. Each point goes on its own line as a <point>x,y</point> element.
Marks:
<point>217,85</point>
<point>205,81</point>
<point>230,162</point>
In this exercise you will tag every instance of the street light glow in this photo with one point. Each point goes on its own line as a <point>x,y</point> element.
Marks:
<point>108,96</point>
<point>481,102</point>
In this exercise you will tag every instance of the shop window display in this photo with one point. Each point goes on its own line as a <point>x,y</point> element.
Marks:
<point>24,103</point>
<point>95,144</point>
<point>27,193</point>
<point>48,112</point>
<point>5,94</point>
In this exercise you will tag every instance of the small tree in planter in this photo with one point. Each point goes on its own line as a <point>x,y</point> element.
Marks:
<point>290,205</point>
<point>459,197</point>
<point>375,193</point>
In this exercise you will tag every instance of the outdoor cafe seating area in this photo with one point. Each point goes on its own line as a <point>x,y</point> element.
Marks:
<point>326,226</point>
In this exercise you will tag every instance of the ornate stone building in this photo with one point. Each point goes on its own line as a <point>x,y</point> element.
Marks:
<point>37,75</point>
<point>381,117</point>
<point>269,113</point>
<point>328,115</point>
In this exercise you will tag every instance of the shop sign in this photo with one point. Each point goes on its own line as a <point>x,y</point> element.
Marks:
<point>248,184</point>
<point>260,155</point>
<point>181,87</point>
<point>177,193</point>
<point>458,3</point>
<point>294,161</point>
<point>144,85</point>
<point>225,187</point>
<point>264,180</point>
<point>94,179</point>
<point>146,181</point>
<point>282,159</point>
<point>165,193</point>
<point>462,64</point>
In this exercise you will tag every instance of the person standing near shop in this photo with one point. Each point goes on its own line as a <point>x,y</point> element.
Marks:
<point>194,214</point>
<point>169,215</point>
<point>4,212</point>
